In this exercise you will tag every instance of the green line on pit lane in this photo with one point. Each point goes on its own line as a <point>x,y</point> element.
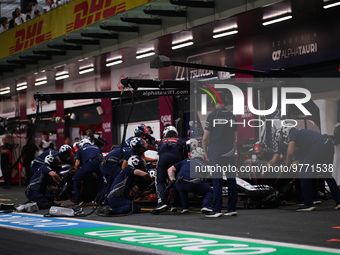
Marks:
<point>185,243</point>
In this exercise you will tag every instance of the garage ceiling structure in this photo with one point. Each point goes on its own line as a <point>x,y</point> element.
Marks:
<point>130,28</point>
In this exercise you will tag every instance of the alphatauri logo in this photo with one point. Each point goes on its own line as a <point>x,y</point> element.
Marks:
<point>276,55</point>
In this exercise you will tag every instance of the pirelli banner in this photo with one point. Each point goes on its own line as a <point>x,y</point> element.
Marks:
<point>60,21</point>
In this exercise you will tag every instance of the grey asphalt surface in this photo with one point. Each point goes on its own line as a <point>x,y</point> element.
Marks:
<point>281,224</point>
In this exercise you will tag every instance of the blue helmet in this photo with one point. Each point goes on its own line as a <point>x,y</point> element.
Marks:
<point>138,145</point>
<point>141,130</point>
<point>65,152</point>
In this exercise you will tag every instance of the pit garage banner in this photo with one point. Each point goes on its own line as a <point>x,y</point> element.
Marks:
<point>88,84</point>
<point>298,45</point>
<point>60,21</point>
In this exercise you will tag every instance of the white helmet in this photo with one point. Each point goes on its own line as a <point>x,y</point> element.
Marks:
<point>168,129</point>
<point>193,144</point>
<point>49,159</point>
<point>198,153</point>
<point>285,131</point>
<point>137,162</point>
<point>52,160</point>
<point>83,142</point>
<point>277,136</point>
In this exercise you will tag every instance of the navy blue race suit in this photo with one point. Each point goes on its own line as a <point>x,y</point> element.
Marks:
<point>170,151</point>
<point>88,155</point>
<point>201,188</point>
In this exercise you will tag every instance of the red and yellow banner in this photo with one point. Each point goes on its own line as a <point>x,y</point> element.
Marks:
<point>65,19</point>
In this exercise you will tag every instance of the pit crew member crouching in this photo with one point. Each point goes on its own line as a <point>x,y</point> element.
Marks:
<point>41,181</point>
<point>116,156</point>
<point>65,153</point>
<point>185,184</point>
<point>119,196</point>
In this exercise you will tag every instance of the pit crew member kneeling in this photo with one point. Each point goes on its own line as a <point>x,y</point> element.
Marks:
<point>185,184</point>
<point>119,196</point>
<point>41,181</point>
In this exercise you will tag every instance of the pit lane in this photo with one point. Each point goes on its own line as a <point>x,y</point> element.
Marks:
<point>283,226</point>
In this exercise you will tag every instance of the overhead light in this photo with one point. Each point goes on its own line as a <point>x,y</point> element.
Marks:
<point>41,79</point>
<point>41,82</point>
<point>21,85</point>
<point>277,19</point>
<point>182,45</point>
<point>21,88</point>
<point>86,65</point>
<point>332,4</point>
<point>86,69</point>
<point>145,54</point>
<point>60,75</point>
<point>5,90</point>
<point>112,62</point>
<point>225,33</point>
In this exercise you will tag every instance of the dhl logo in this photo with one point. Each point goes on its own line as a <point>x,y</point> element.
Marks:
<point>30,36</point>
<point>87,13</point>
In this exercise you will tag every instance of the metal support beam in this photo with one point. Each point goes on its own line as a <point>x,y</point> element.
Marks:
<point>166,13</point>
<point>142,21</point>
<point>168,88</point>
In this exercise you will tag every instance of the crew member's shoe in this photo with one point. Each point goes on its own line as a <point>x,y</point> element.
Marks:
<point>230,213</point>
<point>173,209</point>
<point>206,210</point>
<point>185,211</point>
<point>213,214</point>
<point>78,211</point>
<point>306,208</point>
<point>161,207</point>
